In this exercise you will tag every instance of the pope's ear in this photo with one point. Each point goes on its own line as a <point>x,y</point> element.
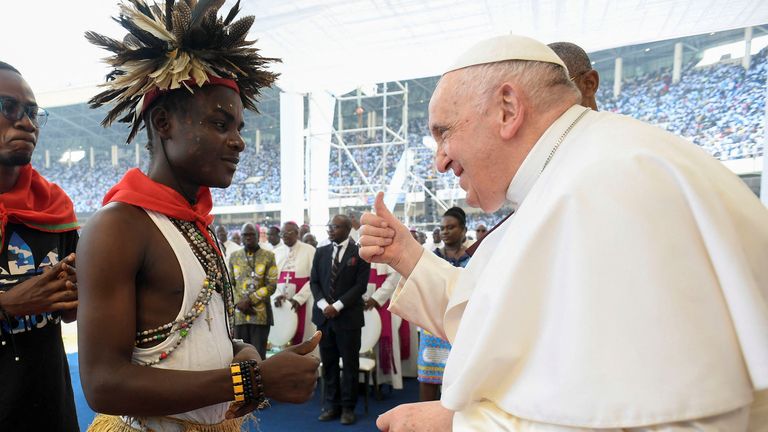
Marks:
<point>512,110</point>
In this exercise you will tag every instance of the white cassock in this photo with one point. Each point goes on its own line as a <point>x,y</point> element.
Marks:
<point>354,234</point>
<point>629,289</point>
<point>390,364</point>
<point>294,267</point>
<point>267,246</point>
<point>229,247</point>
<point>431,246</point>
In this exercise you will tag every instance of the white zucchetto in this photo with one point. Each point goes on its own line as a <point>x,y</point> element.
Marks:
<point>503,48</point>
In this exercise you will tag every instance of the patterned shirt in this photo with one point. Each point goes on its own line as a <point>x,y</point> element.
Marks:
<point>254,274</point>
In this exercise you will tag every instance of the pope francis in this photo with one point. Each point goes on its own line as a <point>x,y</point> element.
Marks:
<point>629,290</point>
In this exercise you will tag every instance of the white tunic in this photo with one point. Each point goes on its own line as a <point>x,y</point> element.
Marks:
<point>382,296</point>
<point>229,248</point>
<point>202,349</point>
<point>297,259</point>
<point>629,289</point>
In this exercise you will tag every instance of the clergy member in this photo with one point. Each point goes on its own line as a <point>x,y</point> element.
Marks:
<point>636,295</point>
<point>381,284</point>
<point>354,217</point>
<point>294,264</point>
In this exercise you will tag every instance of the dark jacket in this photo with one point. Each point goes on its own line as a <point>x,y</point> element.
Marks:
<point>351,284</point>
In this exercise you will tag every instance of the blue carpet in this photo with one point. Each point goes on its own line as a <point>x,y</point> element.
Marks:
<point>286,417</point>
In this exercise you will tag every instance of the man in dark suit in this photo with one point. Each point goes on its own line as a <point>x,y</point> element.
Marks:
<point>338,281</point>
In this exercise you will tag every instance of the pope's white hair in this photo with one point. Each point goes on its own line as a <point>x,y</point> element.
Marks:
<point>545,84</point>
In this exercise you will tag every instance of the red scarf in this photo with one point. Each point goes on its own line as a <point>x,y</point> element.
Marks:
<point>137,189</point>
<point>36,203</point>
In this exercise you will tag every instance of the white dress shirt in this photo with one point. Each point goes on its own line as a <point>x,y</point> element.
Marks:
<point>338,305</point>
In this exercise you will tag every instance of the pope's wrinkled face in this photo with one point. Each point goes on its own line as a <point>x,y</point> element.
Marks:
<point>467,142</point>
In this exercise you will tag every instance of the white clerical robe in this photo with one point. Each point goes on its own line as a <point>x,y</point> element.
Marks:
<point>229,247</point>
<point>294,265</point>
<point>381,284</point>
<point>629,289</point>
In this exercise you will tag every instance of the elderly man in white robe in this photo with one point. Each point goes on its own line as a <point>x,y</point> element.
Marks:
<point>294,265</point>
<point>636,294</point>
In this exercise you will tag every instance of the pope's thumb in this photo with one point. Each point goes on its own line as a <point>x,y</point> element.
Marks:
<point>381,209</point>
<point>308,346</point>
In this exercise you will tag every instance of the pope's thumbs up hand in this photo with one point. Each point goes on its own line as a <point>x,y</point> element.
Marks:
<point>383,239</point>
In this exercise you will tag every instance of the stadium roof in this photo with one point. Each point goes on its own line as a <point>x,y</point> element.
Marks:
<point>337,45</point>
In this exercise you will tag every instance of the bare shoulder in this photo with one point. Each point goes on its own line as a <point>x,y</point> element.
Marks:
<point>117,227</point>
<point>116,216</point>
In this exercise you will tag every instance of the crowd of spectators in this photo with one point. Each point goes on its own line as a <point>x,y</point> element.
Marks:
<point>720,108</point>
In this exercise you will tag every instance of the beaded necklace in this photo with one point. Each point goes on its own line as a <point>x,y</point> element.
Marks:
<point>216,280</point>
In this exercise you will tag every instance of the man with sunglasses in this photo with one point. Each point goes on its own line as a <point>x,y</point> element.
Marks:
<point>37,276</point>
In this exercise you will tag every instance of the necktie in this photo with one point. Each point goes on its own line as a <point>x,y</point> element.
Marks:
<point>335,269</point>
<point>471,250</point>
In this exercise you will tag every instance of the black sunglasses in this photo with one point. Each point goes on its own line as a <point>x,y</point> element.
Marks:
<point>15,111</point>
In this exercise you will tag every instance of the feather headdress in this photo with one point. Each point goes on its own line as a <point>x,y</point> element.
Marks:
<point>177,44</point>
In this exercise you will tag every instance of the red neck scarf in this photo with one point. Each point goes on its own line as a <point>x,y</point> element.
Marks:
<point>137,189</point>
<point>36,203</point>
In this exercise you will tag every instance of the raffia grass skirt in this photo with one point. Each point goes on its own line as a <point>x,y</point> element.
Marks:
<point>110,423</point>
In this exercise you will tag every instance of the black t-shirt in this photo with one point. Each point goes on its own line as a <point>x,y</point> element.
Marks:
<point>36,390</point>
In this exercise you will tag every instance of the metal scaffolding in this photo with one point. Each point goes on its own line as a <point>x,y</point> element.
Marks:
<point>381,131</point>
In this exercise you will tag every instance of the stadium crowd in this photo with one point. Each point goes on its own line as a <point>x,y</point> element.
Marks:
<point>720,107</point>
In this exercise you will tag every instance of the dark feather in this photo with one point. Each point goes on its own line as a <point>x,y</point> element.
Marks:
<point>104,97</point>
<point>146,53</point>
<point>181,18</point>
<point>232,13</point>
<point>146,38</point>
<point>126,118</point>
<point>132,41</point>
<point>169,15</point>
<point>142,7</point>
<point>214,29</point>
<point>237,31</point>
<point>118,109</point>
<point>105,42</point>
<point>201,10</point>
<point>114,74</point>
<point>134,130</point>
<point>157,12</point>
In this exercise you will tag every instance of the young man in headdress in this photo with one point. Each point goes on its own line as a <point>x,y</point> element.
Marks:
<point>156,347</point>
<point>37,278</point>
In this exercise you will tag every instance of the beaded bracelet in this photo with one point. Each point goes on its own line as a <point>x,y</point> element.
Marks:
<point>259,398</point>
<point>242,385</point>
